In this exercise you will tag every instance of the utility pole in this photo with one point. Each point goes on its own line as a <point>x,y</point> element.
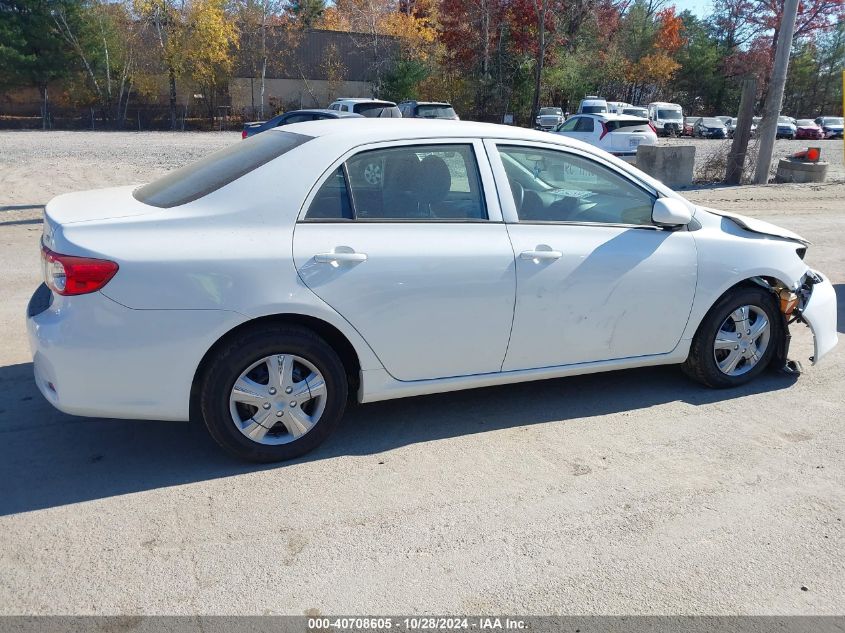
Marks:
<point>742,133</point>
<point>774,99</point>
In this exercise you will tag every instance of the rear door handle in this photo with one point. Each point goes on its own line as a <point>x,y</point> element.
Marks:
<point>328,258</point>
<point>541,254</point>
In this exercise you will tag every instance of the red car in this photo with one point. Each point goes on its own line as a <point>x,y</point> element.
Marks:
<point>807,129</point>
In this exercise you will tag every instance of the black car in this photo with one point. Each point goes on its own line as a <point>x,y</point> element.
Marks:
<point>294,116</point>
<point>427,110</point>
<point>709,127</point>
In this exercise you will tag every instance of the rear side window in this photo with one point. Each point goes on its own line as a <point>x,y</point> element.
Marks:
<point>585,124</point>
<point>198,179</point>
<point>420,182</point>
<point>617,125</point>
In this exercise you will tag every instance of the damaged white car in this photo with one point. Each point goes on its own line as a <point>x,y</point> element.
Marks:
<point>266,285</point>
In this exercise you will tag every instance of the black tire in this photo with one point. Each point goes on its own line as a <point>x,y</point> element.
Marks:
<point>701,364</point>
<point>244,349</point>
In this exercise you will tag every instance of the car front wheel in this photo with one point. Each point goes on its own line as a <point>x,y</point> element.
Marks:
<point>736,340</point>
<point>273,393</point>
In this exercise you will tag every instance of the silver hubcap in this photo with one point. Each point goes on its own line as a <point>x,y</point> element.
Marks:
<point>278,399</point>
<point>742,340</point>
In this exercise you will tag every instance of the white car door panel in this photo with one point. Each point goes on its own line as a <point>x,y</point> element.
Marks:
<point>432,296</point>
<point>595,280</point>
<point>605,293</point>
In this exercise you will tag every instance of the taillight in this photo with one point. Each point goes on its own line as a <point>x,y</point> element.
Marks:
<point>653,129</point>
<point>69,275</point>
<point>604,130</point>
<point>243,134</point>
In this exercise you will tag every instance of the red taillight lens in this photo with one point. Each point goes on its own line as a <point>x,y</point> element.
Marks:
<point>604,130</point>
<point>243,134</point>
<point>69,275</point>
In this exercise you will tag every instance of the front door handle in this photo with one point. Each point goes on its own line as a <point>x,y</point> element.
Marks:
<point>541,254</point>
<point>331,258</point>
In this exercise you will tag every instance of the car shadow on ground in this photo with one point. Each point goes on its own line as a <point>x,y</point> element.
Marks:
<point>50,459</point>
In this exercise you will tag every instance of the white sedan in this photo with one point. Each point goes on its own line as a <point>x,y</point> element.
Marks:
<point>619,134</point>
<point>264,286</point>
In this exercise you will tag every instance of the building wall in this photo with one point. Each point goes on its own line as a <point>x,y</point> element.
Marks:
<point>292,93</point>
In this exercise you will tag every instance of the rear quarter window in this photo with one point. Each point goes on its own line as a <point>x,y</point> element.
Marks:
<point>217,170</point>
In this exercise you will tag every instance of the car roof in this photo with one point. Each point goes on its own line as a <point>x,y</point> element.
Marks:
<point>362,100</point>
<point>372,130</point>
<point>335,113</point>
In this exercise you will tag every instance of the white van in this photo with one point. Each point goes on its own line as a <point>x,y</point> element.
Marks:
<point>592,105</point>
<point>667,118</point>
<point>617,107</point>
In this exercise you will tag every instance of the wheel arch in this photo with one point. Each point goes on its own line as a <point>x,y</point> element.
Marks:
<point>338,341</point>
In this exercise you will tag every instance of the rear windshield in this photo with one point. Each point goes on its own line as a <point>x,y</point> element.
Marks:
<point>618,125</point>
<point>218,169</point>
<point>593,109</point>
<point>377,110</point>
<point>669,115</point>
<point>435,112</point>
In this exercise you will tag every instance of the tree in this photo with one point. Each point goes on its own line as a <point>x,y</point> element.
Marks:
<point>208,58</point>
<point>168,20</point>
<point>31,51</point>
<point>307,13</point>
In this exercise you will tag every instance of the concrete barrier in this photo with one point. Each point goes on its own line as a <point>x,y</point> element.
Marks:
<point>670,164</point>
<point>797,171</point>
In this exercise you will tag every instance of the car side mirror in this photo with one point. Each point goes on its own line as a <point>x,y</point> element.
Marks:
<point>670,212</point>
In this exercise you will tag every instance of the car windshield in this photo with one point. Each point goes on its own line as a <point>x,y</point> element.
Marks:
<point>218,169</point>
<point>832,120</point>
<point>806,123</point>
<point>784,120</point>
<point>435,111</point>
<point>550,111</point>
<point>593,109</point>
<point>669,115</point>
<point>636,112</point>
<point>377,110</point>
<point>711,122</point>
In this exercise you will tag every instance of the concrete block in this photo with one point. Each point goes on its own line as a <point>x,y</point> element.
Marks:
<point>797,171</point>
<point>670,164</point>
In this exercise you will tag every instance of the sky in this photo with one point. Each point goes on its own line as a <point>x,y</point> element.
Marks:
<point>701,8</point>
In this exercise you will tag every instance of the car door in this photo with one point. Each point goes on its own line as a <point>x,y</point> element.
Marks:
<point>596,280</point>
<point>406,242</point>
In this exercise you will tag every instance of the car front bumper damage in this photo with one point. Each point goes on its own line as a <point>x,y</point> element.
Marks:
<point>818,310</point>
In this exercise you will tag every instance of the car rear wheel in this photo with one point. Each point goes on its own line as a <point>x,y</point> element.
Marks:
<point>736,340</point>
<point>273,393</point>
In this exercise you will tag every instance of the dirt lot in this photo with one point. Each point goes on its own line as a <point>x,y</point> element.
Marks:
<point>623,493</point>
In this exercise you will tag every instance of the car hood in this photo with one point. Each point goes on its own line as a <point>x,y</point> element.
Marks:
<point>758,226</point>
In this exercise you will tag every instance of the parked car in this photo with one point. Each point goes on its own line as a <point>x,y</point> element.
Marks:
<point>831,126</point>
<point>617,107</point>
<point>667,118</point>
<point>592,105</point>
<point>786,127</point>
<point>618,134</point>
<point>549,118</point>
<point>689,125</point>
<point>483,255</point>
<point>427,110</point>
<point>731,124</point>
<point>807,129</point>
<point>637,111</point>
<point>294,116</point>
<point>370,108</point>
<point>709,127</point>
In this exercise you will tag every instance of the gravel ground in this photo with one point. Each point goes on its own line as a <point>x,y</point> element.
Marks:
<point>626,493</point>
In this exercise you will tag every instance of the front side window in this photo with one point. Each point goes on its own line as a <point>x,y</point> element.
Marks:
<point>555,186</point>
<point>198,179</point>
<point>569,125</point>
<point>419,182</point>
